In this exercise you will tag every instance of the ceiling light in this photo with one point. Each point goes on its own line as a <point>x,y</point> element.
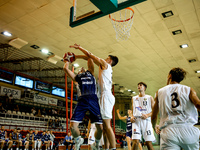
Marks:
<point>129,90</point>
<point>6,33</point>
<point>198,71</point>
<point>167,14</point>
<point>76,65</point>
<point>192,60</point>
<point>176,32</point>
<point>35,46</point>
<point>133,92</point>
<point>184,46</point>
<point>45,51</point>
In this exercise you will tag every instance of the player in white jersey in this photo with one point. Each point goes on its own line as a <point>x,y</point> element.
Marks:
<point>106,100</point>
<point>142,109</point>
<point>177,105</point>
<point>91,135</point>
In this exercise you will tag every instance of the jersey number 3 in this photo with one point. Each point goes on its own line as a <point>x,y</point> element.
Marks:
<point>175,100</point>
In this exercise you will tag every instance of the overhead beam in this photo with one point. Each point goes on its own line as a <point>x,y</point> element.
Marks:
<point>21,60</point>
<point>33,70</point>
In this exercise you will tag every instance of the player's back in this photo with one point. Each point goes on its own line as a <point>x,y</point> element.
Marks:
<point>175,106</point>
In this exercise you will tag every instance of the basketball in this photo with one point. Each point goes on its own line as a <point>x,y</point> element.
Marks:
<point>69,56</point>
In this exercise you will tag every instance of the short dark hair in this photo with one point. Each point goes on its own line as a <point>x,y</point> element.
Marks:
<point>145,85</point>
<point>18,129</point>
<point>114,60</point>
<point>178,74</point>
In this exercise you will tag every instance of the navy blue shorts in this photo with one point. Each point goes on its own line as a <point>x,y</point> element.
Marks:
<point>129,134</point>
<point>87,103</point>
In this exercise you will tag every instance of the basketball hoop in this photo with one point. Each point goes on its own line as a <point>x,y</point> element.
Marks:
<point>122,22</point>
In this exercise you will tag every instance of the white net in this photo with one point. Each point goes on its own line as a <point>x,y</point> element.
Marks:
<point>122,22</point>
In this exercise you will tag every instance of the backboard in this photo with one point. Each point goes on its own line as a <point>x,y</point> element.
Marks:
<point>84,11</point>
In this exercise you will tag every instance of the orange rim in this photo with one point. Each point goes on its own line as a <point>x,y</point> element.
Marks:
<point>123,20</point>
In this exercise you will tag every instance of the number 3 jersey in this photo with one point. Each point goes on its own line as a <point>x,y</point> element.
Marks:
<point>141,105</point>
<point>175,106</point>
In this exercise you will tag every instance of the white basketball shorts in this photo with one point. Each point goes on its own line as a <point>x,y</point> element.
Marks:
<point>106,103</point>
<point>91,138</point>
<point>175,137</point>
<point>143,127</point>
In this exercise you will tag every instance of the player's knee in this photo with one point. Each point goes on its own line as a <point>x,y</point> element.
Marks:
<point>135,142</point>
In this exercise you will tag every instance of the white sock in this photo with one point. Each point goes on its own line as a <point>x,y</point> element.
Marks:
<point>17,148</point>
<point>77,139</point>
<point>97,142</point>
<point>113,148</point>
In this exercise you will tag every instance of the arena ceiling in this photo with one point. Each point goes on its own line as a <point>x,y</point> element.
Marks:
<point>148,55</point>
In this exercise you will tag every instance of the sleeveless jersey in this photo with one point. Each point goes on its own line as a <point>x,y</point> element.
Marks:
<point>128,124</point>
<point>45,137</point>
<point>19,136</point>
<point>175,106</point>
<point>2,135</point>
<point>141,105</point>
<point>31,136</point>
<point>105,79</point>
<point>14,136</point>
<point>37,136</point>
<point>87,83</point>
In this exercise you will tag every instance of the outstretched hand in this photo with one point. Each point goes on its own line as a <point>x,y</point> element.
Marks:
<point>133,119</point>
<point>117,110</point>
<point>157,129</point>
<point>76,46</point>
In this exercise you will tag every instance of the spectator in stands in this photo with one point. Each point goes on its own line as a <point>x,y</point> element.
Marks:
<point>60,124</point>
<point>58,112</point>
<point>123,140</point>
<point>50,123</point>
<point>39,113</point>
<point>2,110</point>
<point>45,140</point>
<point>37,139</point>
<point>9,104</point>
<point>44,112</point>
<point>56,123</point>
<point>29,140</point>
<point>3,137</point>
<point>50,112</point>
<point>19,137</point>
<point>16,108</point>
<point>54,112</point>
<point>33,111</point>
<point>68,141</point>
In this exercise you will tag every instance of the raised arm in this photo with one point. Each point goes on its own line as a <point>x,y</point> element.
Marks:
<point>81,57</point>
<point>91,65</point>
<point>120,117</point>
<point>98,61</point>
<point>155,111</point>
<point>68,71</point>
<point>195,100</point>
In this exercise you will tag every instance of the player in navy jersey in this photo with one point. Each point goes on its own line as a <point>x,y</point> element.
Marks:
<point>3,137</point>
<point>88,101</point>
<point>128,127</point>
<point>19,137</point>
<point>45,140</point>
<point>29,140</point>
<point>37,139</point>
<point>13,137</point>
